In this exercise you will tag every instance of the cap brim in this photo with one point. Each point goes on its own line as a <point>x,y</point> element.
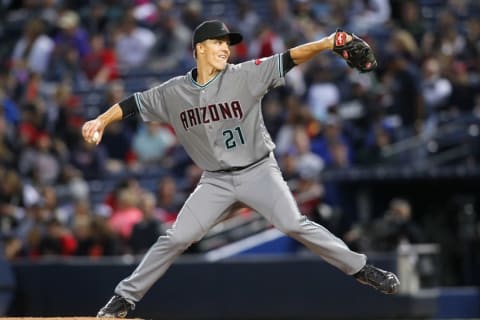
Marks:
<point>235,38</point>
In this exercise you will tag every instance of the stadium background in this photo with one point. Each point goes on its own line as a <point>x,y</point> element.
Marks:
<point>389,161</point>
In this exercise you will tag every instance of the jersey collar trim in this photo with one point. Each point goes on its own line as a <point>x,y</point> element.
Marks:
<point>196,84</point>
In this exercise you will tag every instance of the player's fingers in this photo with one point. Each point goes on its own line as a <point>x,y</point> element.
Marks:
<point>90,132</point>
<point>85,130</point>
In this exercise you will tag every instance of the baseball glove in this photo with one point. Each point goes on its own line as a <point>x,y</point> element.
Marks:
<point>357,53</point>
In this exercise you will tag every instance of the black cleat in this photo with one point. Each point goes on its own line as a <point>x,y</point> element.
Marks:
<point>117,307</point>
<point>384,281</point>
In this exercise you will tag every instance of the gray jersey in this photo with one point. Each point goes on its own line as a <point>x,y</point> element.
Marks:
<point>220,124</point>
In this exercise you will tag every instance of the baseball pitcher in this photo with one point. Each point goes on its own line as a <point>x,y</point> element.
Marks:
<point>216,111</point>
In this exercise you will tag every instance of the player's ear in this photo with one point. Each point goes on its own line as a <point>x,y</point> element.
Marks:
<point>199,48</point>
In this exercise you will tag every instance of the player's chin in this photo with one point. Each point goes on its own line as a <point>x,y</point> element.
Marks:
<point>221,65</point>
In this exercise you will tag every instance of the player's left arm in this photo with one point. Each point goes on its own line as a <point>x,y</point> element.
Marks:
<point>307,51</point>
<point>355,51</point>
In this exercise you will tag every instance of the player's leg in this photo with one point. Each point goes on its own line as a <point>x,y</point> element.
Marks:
<point>204,207</point>
<point>263,189</point>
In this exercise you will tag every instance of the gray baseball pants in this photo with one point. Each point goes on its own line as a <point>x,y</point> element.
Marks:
<point>263,189</point>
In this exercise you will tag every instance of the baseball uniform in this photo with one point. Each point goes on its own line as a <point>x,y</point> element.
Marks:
<point>220,124</point>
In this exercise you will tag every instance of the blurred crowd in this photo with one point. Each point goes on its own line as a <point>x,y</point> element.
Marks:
<point>55,53</point>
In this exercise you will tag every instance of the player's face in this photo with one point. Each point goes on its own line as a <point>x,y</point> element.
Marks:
<point>217,52</point>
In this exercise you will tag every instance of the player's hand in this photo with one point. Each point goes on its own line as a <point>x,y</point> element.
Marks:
<point>92,131</point>
<point>333,35</point>
<point>355,51</point>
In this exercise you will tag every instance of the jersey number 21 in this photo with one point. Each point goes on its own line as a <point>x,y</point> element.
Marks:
<point>233,137</point>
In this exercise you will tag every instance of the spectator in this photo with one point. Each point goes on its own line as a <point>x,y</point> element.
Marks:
<point>471,55</point>
<point>452,42</point>
<point>172,48</point>
<point>65,114</point>
<point>95,238</point>
<point>10,109</point>
<point>126,215</point>
<point>72,186</point>
<point>32,51</point>
<point>81,214</point>
<point>296,116</point>
<point>368,14</point>
<point>129,183</point>
<point>410,19</point>
<point>308,190</point>
<point>403,44</point>
<point>326,142</point>
<point>31,125</point>
<point>282,21</point>
<point>57,241</point>
<point>192,13</point>
<point>71,35</point>
<point>146,232</point>
<point>8,147</point>
<point>118,148</point>
<point>401,81</point>
<point>132,44</point>
<point>436,90</point>
<point>97,17</point>
<point>15,192</point>
<point>83,233</point>
<point>100,65</point>
<point>385,233</point>
<point>246,19</point>
<point>309,164</point>
<point>288,164</point>
<point>192,175</point>
<point>41,160</point>
<point>52,204</point>
<point>71,46</point>
<point>118,139</point>
<point>323,93</point>
<point>91,161</point>
<point>151,143</point>
<point>32,228</point>
<point>464,89</point>
<point>305,18</point>
<point>377,139</point>
<point>169,200</point>
<point>8,221</point>
<point>266,43</point>
<point>395,227</point>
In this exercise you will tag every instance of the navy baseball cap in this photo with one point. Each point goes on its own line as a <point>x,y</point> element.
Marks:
<point>213,29</point>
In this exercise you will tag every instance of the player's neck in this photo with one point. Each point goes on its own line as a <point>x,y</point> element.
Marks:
<point>205,73</point>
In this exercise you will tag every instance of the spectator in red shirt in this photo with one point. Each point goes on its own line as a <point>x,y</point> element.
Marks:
<point>100,65</point>
<point>58,240</point>
<point>126,215</point>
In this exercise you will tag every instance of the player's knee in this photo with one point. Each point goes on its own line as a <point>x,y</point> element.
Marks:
<point>181,241</point>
